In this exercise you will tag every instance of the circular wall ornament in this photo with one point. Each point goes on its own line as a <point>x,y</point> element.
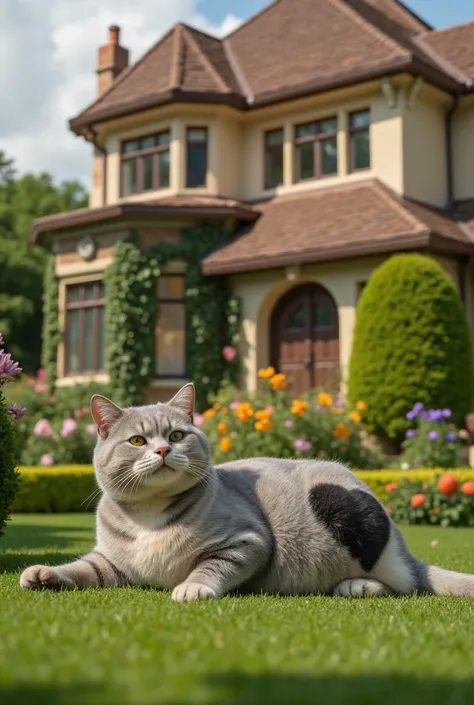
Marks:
<point>86,248</point>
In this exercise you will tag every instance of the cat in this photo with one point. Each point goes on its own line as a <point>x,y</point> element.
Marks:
<point>168,519</point>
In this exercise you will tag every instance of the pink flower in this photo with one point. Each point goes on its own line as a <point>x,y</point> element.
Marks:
<point>47,460</point>
<point>302,445</point>
<point>78,413</point>
<point>43,428</point>
<point>7,365</point>
<point>270,409</point>
<point>288,423</point>
<point>1,339</point>
<point>229,353</point>
<point>30,382</point>
<point>198,420</point>
<point>69,427</point>
<point>91,429</point>
<point>41,374</point>
<point>40,388</point>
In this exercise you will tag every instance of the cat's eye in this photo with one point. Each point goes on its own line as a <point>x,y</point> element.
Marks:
<point>176,436</point>
<point>137,441</point>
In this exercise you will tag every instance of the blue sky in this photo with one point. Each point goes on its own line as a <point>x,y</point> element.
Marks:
<point>439,13</point>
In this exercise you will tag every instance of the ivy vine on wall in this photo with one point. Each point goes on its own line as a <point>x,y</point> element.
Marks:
<point>51,332</point>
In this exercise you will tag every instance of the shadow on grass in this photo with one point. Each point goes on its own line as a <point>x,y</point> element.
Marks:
<point>271,689</point>
<point>51,536</point>
<point>14,562</point>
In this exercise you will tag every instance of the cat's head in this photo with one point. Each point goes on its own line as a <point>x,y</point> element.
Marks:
<point>148,451</point>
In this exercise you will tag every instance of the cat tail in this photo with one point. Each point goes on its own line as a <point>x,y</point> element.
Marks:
<point>437,581</point>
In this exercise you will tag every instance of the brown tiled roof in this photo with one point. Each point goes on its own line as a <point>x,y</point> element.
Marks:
<point>336,223</point>
<point>291,48</point>
<point>455,44</point>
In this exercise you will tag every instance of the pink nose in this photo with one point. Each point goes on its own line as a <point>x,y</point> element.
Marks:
<point>162,451</point>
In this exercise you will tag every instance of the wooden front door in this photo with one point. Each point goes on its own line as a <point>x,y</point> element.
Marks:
<point>305,339</point>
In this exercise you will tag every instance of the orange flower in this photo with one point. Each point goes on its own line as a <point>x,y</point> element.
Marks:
<point>324,399</point>
<point>225,444</point>
<point>222,428</point>
<point>244,411</point>
<point>355,416</point>
<point>224,411</point>
<point>388,510</point>
<point>278,381</point>
<point>299,407</point>
<point>266,372</point>
<point>209,414</point>
<point>468,488</point>
<point>391,487</point>
<point>262,414</point>
<point>418,500</point>
<point>448,485</point>
<point>361,406</point>
<point>342,431</point>
<point>264,425</point>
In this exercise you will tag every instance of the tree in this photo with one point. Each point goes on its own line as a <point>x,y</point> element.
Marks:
<point>411,344</point>
<point>22,199</point>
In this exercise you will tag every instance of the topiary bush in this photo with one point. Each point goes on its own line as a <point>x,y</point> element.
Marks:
<point>411,341</point>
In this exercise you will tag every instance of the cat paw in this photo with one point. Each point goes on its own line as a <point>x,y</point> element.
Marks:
<point>38,577</point>
<point>190,592</point>
<point>361,587</point>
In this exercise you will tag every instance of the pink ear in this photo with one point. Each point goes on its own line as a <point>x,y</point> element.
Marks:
<point>184,399</point>
<point>105,414</point>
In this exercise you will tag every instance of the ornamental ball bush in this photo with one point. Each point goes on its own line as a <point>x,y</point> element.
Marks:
<point>411,342</point>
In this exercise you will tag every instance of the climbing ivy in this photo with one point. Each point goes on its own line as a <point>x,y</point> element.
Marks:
<point>51,333</point>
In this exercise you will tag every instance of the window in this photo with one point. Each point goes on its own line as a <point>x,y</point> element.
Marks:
<point>316,149</point>
<point>273,158</point>
<point>170,333</point>
<point>85,318</point>
<point>196,164</point>
<point>146,164</point>
<point>359,135</point>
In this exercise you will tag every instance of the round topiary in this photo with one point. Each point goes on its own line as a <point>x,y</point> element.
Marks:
<point>411,344</point>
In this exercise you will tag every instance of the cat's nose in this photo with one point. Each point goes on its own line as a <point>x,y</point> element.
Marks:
<point>162,451</point>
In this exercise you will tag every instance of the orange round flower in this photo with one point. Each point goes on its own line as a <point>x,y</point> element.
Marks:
<point>361,406</point>
<point>278,381</point>
<point>388,510</point>
<point>244,411</point>
<point>262,414</point>
<point>448,485</point>
<point>342,431</point>
<point>264,425</point>
<point>391,487</point>
<point>209,414</point>
<point>324,399</point>
<point>468,488</point>
<point>355,417</point>
<point>418,500</point>
<point>225,444</point>
<point>299,407</point>
<point>222,428</point>
<point>266,372</point>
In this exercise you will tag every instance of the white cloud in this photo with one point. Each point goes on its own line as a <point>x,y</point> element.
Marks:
<point>48,60</point>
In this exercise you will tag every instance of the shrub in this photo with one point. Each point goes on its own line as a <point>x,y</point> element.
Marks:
<point>411,341</point>
<point>8,415</point>
<point>435,442</point>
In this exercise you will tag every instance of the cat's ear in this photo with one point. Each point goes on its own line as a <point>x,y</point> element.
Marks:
<point>185,399</point>
<point>105,414</point>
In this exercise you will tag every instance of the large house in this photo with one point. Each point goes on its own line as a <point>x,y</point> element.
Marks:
<point>326,134</point>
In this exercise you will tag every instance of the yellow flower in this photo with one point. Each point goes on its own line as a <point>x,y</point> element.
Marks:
<point>361,405</point>
<point>222,428</point>
<point>266,372</point>
<point>342,431</point>
<point>278,381</point>
<point>324,399</point>
<point>299,407</point>
<point>225,444</point>
<point>209,414</point>
<point>244,411</point>
<point>264,425</point>
<point>262,414</point>
<point>355,416</point>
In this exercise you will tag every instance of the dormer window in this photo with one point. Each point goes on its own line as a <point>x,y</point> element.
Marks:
<point>196,157</point>
<point>146,164</point>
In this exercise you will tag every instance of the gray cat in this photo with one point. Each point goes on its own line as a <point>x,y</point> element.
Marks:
<point>168,519</point>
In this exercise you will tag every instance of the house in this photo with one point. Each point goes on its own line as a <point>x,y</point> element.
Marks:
<point>324,134</point>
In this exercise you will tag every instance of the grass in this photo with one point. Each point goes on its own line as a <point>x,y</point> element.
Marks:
<point>135,647</point>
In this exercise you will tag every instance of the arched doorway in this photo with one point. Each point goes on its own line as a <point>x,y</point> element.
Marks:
<point>304,340</point>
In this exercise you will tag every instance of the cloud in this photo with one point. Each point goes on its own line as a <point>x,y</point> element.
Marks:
<point>48,61</point>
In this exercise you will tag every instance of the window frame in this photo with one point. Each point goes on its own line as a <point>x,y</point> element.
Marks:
<point>271,149</point>
<point>177,300</point>
<point>351,131</point>
<point>97,303</point>
<point>317,139</point>
<point>139,156</point>
<point>204,146</point>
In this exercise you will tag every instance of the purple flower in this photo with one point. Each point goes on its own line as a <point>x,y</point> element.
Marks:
<point>47,460</point>
<point>302,445</point>
<point>43,428</point>
<point>1,339</point>
<point>416,411</point>
<point>410,433</point>
<point>451,436</point>
<point>447,413</point>
<point>7,366</point>
<point>69,427</point>
<point>16,411</point>
<point>288,423</point>
<point>433,435</point>
<point>410,415</point>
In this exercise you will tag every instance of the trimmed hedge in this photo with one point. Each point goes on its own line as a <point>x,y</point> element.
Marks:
<point>68,488</point>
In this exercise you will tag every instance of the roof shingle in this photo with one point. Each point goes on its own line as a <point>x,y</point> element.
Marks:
<point>455,44</point>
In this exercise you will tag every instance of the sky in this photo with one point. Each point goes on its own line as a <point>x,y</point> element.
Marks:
<point>48,52</point>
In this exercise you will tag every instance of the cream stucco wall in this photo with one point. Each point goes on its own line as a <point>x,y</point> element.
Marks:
<point>463,150</point>
<point>230,157</point>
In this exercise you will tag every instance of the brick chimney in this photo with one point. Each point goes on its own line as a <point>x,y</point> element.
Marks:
<point>112,60</point>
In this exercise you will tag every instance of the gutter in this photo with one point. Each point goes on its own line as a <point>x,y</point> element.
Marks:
<point>90,135</point>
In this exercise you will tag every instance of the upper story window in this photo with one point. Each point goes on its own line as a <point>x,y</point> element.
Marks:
<point>146,164</point>
<point>85,327</point>
<point>359,139</point>
<point>273,158</point>
<point>170,332</point>
<point>196,157</point>
<point>316,149</point>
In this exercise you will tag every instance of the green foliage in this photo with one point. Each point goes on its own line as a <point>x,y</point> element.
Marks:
<point>435,442</point>
<point>411,341</point>
<point>51,334</point>
<point>9,478</point>
<point>55,490</point>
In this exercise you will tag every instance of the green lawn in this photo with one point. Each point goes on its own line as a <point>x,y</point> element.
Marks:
<point>136,647</point>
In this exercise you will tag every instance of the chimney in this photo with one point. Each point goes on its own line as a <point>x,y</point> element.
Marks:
<point>112,60</point>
